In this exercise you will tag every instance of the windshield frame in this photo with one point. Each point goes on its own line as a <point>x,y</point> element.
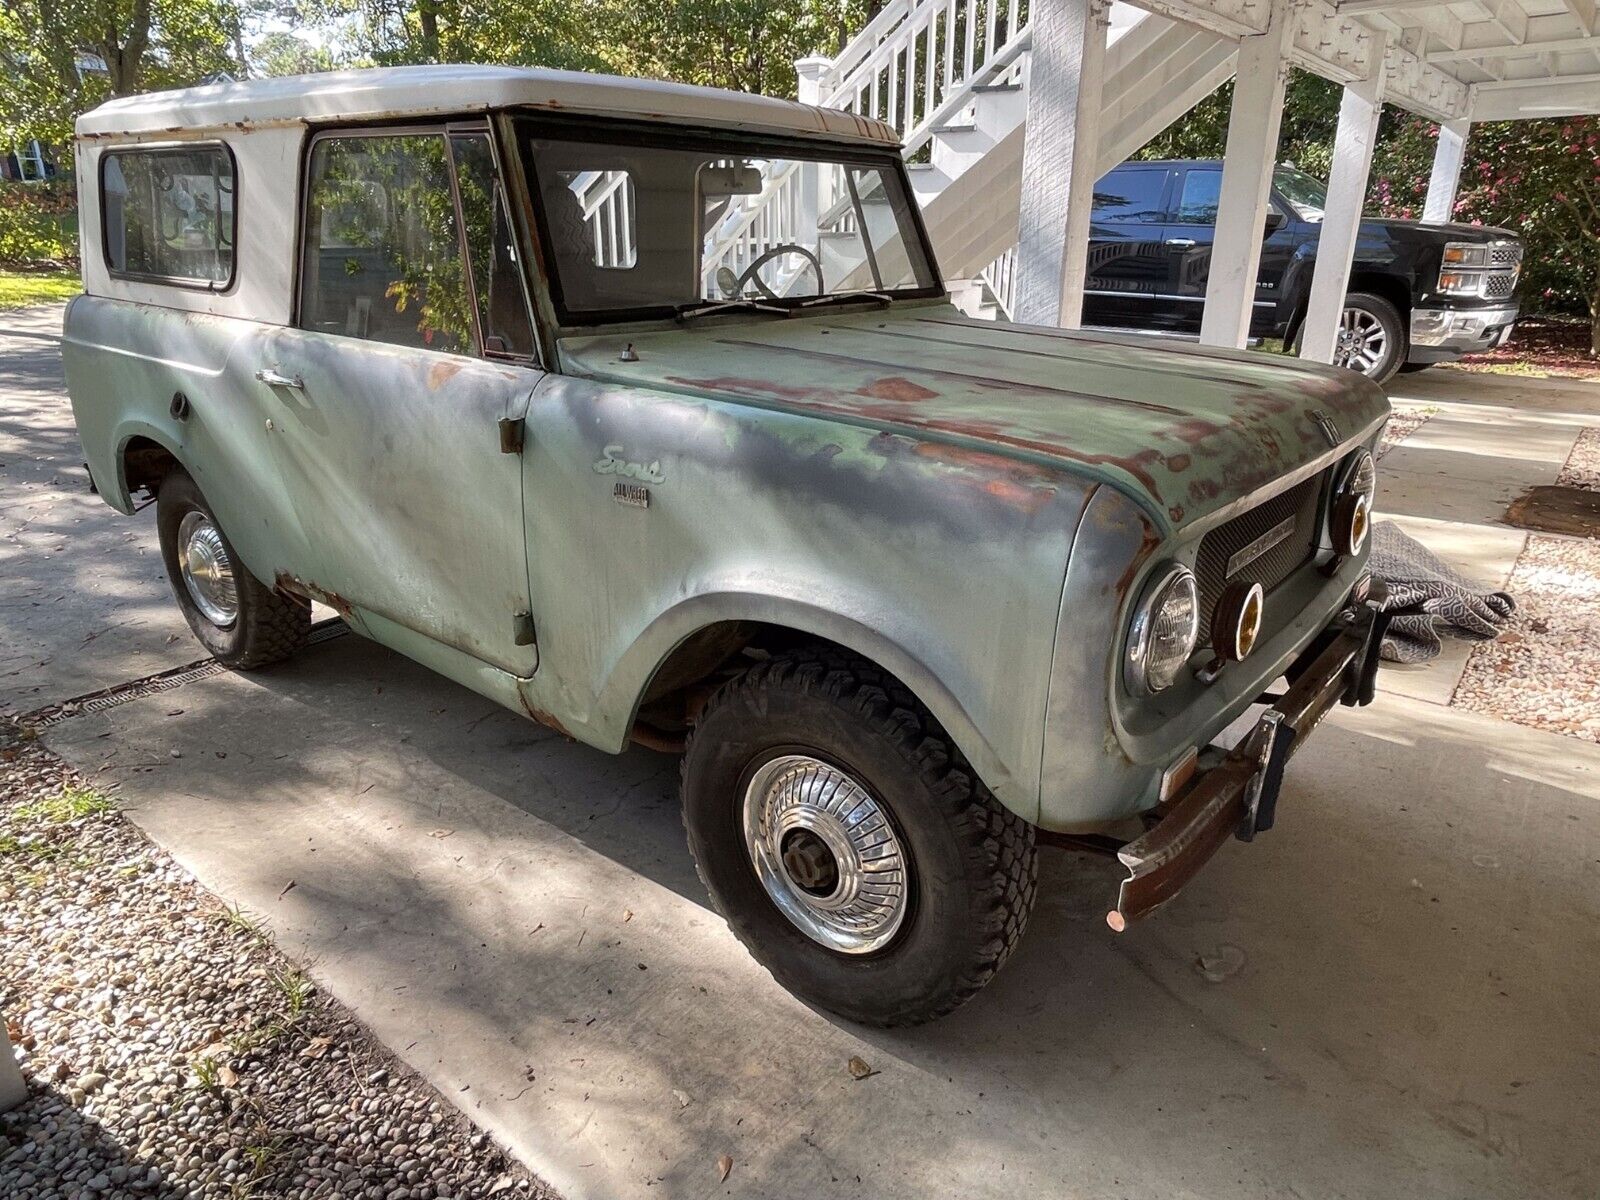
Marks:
<point>527,127</point>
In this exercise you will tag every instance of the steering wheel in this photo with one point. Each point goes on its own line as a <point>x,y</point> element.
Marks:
<point>751,273</point>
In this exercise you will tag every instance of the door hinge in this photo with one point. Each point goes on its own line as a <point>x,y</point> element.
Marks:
<point>522,631</point>
<point>511,435</point>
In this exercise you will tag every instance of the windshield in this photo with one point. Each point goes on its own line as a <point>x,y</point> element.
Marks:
<point>1307,196</point>
<point>643,225</point>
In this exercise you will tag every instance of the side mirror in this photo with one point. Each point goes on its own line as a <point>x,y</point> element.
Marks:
<point>1274,222</point>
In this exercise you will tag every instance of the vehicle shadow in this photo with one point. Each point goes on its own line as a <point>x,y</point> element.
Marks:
<point>1357,991</point>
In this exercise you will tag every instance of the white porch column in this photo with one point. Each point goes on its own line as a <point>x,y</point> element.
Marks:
<point>1059,150</point>
<point>808,74</point>
<point>1341,222</point>
<point>1246,177</point>
<point>1446,177</point>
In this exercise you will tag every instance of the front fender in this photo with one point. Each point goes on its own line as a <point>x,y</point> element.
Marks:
<point>634,671</point>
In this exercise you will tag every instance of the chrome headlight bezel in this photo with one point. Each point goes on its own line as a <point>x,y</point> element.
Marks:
<point>1350,514</point>
<point>1174,585</point>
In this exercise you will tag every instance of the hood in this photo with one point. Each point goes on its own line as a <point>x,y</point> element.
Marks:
<point>1182,430</point>
<point>1450,232</point>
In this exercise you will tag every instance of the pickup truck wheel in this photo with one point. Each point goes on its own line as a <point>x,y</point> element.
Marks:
<point>1371,337</point>
<point>240,621</point>
<point>847,843</point>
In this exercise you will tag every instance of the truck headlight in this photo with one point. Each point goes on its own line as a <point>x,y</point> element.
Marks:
<point>1351,519</point>
<point>1456,278</point>
<point>1165,628</point>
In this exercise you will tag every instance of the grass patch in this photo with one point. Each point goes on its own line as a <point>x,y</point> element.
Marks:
<point>19,289</point>
<point>69,805</point>
<point>296,990</point>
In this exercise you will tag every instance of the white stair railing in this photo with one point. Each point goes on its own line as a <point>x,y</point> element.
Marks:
<point>999,279</point>
<point>916,64</point>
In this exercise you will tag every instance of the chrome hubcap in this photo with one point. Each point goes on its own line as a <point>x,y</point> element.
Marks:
<point>207,570</point>
<point>1362,343</point>
<point>826,852</point>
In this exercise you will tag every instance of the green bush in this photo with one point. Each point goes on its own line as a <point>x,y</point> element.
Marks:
<point>38,223</point>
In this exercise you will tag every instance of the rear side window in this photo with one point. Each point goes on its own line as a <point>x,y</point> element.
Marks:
<point>1130,198</point>
<point>168,214</point>
<point>1202,193</point>
<point>382,248</point>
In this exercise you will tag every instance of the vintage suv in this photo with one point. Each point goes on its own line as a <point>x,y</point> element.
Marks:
<point>641,409</point>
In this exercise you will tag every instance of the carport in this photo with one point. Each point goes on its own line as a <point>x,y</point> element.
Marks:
<point>1455,62</point>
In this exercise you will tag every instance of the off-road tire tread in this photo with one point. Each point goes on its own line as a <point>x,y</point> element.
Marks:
<point>998,845</point>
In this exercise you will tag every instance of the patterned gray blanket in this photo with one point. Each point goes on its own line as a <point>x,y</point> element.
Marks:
<point>1424,593</point>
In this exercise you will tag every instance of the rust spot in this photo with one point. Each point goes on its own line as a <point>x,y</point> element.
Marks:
<point>1179,463</point>
<point>310,591</point>
<point>897,387</point>
<point>544,718</point>
<point>441,374</point>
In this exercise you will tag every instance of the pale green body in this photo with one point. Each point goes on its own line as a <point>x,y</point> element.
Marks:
<point>973,506</point>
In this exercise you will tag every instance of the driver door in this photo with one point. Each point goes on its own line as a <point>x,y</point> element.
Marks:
<point>414,341</point>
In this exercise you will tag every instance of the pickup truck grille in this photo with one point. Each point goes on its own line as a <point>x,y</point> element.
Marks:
<point>1497,285</point>
<point>1254,547</point>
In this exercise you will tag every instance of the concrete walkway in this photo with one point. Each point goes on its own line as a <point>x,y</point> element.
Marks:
<point>1391,995</point>
<point>1489,440</point>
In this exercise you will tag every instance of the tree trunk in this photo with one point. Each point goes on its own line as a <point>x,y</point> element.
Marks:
<point>428,18</point>
<point>1594,318</point>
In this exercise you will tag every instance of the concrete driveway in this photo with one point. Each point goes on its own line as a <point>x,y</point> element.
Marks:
<point>1394,994</point>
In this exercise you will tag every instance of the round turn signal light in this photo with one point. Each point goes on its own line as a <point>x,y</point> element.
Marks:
<point>1236,621</point>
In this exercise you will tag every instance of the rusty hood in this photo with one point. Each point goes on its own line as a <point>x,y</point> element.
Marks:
<point>1183,430</point>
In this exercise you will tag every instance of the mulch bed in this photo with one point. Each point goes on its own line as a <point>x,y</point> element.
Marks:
<point>1557,346</point>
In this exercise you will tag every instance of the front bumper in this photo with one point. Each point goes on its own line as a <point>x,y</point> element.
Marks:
<point>1239,794</point>
<point>1443,334</point>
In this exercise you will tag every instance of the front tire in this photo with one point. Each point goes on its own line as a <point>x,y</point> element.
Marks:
<point>847,843</point>
<point>243,623</point>
<point>1372,337</point>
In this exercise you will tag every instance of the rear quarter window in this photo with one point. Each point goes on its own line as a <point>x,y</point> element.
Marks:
<point>168,214</point>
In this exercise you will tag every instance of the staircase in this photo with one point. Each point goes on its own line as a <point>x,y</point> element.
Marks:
<point>952,77</point>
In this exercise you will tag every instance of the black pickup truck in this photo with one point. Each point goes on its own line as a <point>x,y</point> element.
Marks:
<point>1419,294</point>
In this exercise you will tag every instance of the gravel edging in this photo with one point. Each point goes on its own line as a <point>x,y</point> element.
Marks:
<point>1544,668</point>
<point>171,1051</point>
<point>1404,420</point>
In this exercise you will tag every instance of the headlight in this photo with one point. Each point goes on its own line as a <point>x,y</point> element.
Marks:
<point>1165,627</point>
<point>1351,519</point>
<point>1453,280</point>
<point>1466,254</point>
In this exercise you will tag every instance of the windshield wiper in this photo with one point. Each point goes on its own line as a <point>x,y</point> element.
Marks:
<point>883,298</point>
<point>687,312</point>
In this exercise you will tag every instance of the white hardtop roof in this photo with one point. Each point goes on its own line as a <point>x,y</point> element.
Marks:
<point>433,91</point>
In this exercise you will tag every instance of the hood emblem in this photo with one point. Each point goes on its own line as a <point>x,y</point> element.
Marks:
<point>1329,429</point>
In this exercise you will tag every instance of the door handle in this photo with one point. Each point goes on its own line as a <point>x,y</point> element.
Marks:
<point>1185,243</point>
<point>274,378</point>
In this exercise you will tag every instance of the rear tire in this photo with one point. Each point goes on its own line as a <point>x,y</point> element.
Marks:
<point>926,936</point>
<point>243,623</point>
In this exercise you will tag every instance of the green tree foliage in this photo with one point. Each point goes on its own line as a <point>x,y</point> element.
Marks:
<point>62,57</point>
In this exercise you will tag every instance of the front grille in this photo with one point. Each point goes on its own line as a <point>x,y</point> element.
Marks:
<point>1498,285</point>
<point>1269,567</point>
<point>1504,254</point>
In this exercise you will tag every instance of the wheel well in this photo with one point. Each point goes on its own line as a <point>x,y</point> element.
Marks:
<point>1391,288</point>
<point>699,664</point>
<point>145,463</point>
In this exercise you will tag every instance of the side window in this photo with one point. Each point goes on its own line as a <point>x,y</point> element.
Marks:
<point>1202,189</point>
<point>168,214</point>
<point>382,251</point>
<point>1130,198</point>
<point>491,251</point>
